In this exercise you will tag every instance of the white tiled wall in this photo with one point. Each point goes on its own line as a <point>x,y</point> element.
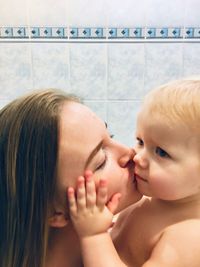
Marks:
<point>126,69</point>
<point>111,77</point>
<point>50,67</point>
<point>88,70</point>
<point>163,62</point>
<point>15,70</point>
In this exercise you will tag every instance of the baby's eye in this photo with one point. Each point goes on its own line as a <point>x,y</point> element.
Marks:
<point>139,141</point>
<point>162,153</point>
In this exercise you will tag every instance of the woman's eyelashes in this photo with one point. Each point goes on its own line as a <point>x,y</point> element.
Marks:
<point>102,163</point>
<point>103,160</point>
<point>139,141</point>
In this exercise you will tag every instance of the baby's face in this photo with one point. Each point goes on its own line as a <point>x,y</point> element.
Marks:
<point>167,160</point>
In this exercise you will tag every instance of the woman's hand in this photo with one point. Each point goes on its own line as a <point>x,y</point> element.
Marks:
<point>90,211</point>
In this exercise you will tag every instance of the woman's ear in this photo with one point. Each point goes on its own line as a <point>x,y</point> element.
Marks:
<point>58,219</point>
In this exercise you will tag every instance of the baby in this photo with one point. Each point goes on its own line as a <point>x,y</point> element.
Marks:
<point>162,229</point>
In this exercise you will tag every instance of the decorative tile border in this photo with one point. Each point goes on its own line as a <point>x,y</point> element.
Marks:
<point>99,33</point>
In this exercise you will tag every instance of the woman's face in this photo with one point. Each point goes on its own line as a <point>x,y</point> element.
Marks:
<point>85,144</point>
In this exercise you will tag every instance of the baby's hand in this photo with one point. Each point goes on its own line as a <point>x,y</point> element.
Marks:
<point>88,209</point>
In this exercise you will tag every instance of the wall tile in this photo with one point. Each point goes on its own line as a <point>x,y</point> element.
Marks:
<point>164,62</point>
<point>125,70</point>
<point>13,13</point>
<point>15,70</point>
<point>126,13</point>
<point>192,8</point>
<point>50,65</point>
<point>191,63</point>
<point>49,13</point>
<point>122,120</point>
<point>88,13</point>
<point>88,70</point>
<point>164,13</point>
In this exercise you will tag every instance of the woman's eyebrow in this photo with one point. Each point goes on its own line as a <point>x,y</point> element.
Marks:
<point>93,153</point>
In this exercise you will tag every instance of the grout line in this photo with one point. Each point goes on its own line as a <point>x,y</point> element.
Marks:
<point>46,40</point>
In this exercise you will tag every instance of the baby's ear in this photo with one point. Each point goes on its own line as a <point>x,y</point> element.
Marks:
<point>58,219</point>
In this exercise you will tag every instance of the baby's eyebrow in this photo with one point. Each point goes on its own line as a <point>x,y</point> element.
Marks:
<point>93,153</point>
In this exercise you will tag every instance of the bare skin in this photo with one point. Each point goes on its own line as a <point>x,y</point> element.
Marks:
<point>138,240</point>
<point>84,142</point>
<point>155,227</point>
<point>64,248</point>
<point>91,219</point>
<point>162,229</point>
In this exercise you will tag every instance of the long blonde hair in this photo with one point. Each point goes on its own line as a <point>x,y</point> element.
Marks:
<point>28,157</point>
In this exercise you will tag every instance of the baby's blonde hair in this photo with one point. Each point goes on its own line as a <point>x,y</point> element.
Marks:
<point>177,101</point>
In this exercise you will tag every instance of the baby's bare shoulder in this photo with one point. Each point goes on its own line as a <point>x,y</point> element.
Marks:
<point>182,234</point>
<point>178,246</point>
<point>189,227</point>
<point>179,243</point>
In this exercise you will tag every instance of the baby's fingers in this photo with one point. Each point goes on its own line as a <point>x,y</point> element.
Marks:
<point>72,201</point>
<point>81,195</point>
<point>90,191</point>
<point>102,194</point>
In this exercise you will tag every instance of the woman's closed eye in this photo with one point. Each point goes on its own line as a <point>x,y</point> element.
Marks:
<point>161,153</point>
<point>102,163</point>
<point>139,141</point>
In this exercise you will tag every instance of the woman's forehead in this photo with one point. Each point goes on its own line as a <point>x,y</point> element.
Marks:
<point>80,132</point>
<point>73,112</point>
<point>79,123</point>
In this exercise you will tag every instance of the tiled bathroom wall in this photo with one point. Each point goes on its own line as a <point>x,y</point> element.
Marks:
<point>109,52</point>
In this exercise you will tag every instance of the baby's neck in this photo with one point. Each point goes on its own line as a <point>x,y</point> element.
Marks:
<point>190,204</point>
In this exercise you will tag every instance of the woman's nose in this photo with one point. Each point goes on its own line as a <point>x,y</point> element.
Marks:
<point>126,156</point>
<point>141,159</point>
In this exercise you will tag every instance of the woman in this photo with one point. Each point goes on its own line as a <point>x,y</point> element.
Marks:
<point>47,139</point>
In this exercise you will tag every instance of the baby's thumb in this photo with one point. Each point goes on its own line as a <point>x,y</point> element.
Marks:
<point>114,202</point>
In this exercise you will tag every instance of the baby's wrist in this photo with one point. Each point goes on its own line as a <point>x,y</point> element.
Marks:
<point>84,240</point>
<point>94,234</point>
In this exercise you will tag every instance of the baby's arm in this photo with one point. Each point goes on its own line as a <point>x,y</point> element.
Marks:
<point>91,219</point>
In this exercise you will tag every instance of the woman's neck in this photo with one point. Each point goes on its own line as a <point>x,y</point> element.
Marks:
<point>64,249</point>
